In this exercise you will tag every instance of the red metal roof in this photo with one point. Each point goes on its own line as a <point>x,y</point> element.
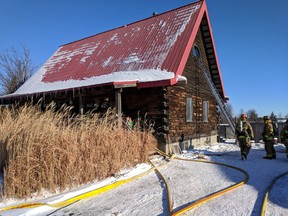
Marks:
<point>162,42</point>
<point>156,42</point>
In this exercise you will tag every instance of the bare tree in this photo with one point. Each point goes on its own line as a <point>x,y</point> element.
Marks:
<point>252,115</point>
<point>15,68</point>
<point>229,110</point>
<point>241,112</point>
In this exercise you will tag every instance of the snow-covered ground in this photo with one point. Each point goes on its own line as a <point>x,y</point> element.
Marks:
<point>188,181</point>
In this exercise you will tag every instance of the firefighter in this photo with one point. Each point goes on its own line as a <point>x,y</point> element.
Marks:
<point>268,138</point>
<point>244,134</point>
<point>284,136</point>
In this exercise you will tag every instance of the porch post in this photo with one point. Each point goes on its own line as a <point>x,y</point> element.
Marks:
<point>81,106</point>
<point>118,101</point>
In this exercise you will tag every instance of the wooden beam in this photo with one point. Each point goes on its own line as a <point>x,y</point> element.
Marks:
<point>118,101</point>
<point>117,86</point>
<point>81,105</point>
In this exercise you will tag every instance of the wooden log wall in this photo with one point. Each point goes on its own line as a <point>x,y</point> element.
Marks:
<point>198,89</point>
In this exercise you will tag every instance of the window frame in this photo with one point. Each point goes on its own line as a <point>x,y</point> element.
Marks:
<point>189,109</point>
<point>205,111</point>
<point>196,52</point>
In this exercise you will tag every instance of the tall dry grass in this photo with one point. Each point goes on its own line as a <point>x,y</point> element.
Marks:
<point>54,150</point>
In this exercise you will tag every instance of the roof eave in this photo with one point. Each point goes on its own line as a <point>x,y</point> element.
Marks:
<point>225,98</point>
<point>158,83</point>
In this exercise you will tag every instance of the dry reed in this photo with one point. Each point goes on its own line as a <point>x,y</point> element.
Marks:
<point>54,150</point>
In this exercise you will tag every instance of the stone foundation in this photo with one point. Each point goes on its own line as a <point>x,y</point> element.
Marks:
<point>178,147</point>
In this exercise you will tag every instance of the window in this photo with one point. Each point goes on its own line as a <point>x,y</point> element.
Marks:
<point>205,111</point>
<point>189,110</point>
<point>196,51</point>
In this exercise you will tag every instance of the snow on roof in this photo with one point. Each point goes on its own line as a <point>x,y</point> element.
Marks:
<point>115,77</point>
<point>147,51</point>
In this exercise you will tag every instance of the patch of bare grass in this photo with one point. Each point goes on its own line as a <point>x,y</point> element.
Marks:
<point>54,150</point>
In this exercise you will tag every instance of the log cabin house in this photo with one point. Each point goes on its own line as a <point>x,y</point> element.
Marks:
<point>152,67</point>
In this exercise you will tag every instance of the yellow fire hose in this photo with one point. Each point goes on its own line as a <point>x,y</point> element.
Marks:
<point>78,197</point>
<point>264,204</point>
<point>167,187</point>
<point>213,195</point>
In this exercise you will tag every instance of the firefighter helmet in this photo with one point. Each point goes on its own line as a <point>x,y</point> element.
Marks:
<point>244,115</point>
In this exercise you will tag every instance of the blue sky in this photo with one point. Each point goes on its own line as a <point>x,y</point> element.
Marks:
<point>251,38</point>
